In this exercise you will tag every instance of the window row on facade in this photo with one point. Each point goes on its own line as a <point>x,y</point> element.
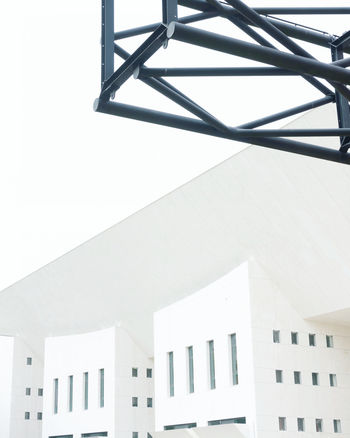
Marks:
<point>294,339</point>
<point>40,392</point>
<point>148,374</point>
<point>232,339</point>
<point>319,426</point>
<point>70,386</point>
<point>314,378</point>
<point>237,420</point>
<point>135,402</point>
<point>39,416</point>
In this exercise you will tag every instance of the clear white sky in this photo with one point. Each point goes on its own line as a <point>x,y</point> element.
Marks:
<point>67,173</point>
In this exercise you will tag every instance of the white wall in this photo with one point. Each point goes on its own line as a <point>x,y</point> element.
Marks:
<point>213,313</point>
<point>270,310</point>
<point>6,355</point>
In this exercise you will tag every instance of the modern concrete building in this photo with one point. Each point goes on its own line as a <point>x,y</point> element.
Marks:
<point>282,219</point>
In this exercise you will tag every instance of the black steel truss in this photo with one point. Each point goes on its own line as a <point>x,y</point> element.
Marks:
<point>280,63</point>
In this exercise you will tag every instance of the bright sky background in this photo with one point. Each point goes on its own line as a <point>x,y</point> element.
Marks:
<point>67,173</point>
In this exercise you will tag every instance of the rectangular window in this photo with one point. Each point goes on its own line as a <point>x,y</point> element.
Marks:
<point>40,392</point>
<point>333,380</point>
<point>279,376</point>
<point>211,364</point>
<point>134,372</point>
<point>171,373</point>
<point>337,426</point>
<point>134,402</point>
<point>180,426</point>
<point>282,423</point>
<point>149,373</point>
<point>55,396</point>
<point>149,402</point>
<point>234,359</point>
<point>29,361</point>
<point>39,416</point>
<point>70,393</point>
<point>237,420</point>
<point>276,336</point>
<point>294,338</point>
<point>28,391</point>
<point>86,390</point>
<point>190,369</point>
<point>319,425</point>
<point>135,435</point>
<point>329,341</point>
<point>312,340</point>
<point>102,387</point>
<point>301,424</point>
<point>297,377</point>
<point>27,415</point>
<point>315,379</point>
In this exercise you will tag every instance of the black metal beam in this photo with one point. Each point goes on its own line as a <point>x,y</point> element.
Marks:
<point>185,123</point>
<point>215,71</point>
<point>144,52</point>
<point>210,40</point>
<point>152,27</point>
<point>291,29</point>
<point>107,40</point>
<point>169,11</point>
<point>287,113</point>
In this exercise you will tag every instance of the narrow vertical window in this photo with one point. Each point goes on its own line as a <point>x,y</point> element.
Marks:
<point>337,426</point>
<point>134,372</point>
<point>102,387</point>
<point>27,415</point>
<point>282,423</point>
<point>40,392</point>
<point>301,424</point>
<point>70,393</point>
<point>276,336</point>
<point>134,402</point>
<point>86,390</point>
<point>149,402</point>
<point>55,396</point>
<point>279,376</point>
<point>319,425</point>
<point>29,361</point>
<point>171,373</point>
<point>312,340</point>
<point>329,341</point>
<point>294,338</point>
<point>190,369</point>
<point>39,416</point>
<point>333,380</point>
<point>234,364</point>
<point>149,373</point>
<point>315,379</point>
<point>211,364</point>
<point>297,377</point>
<point>28,391</point>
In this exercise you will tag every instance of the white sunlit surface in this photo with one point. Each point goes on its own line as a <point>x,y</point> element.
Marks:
<point>68,173</point>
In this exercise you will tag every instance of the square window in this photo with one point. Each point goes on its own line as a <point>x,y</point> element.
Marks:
<point>329,341</point>
<point>312,340</point>
<point>27,415</point>
<point>319,425</point>
<point>149,373</point>
<point>337,426</point>
<point>315,381</point>
<point>149,402</point>
<point>134,402</point>
<point>28,391</point>
<point>279,376</point>
<point>134,372</point>
<point>276,336</point>
<point>301,424</point>
<point>294,338</point>
<point>39,416</point>
<point>40,392</point>
<point>135,435</point>
<point>282,423</point>
<point>333,380</point>
<point>297,377</point>
<point>29,361</point>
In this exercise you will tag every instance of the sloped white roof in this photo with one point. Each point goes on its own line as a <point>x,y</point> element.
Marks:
<point>290,213</point>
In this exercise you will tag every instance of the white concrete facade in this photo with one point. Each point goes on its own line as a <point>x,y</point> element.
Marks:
<point>79,401</point>
<point>247,303</point>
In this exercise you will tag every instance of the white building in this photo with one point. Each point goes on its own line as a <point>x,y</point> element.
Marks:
<point>237,352</point>
<point>97,384</point>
